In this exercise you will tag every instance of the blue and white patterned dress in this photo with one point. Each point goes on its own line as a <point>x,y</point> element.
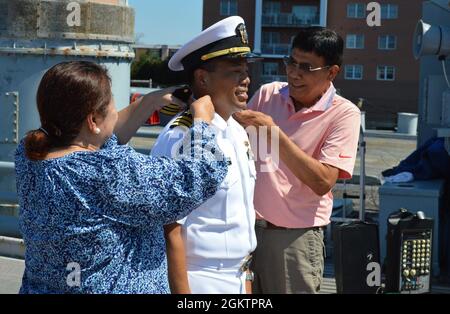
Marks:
<point>105,211</point>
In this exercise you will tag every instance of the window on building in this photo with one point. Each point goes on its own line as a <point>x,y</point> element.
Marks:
<point>270,38</point>
<point>353,72</point>
<point>389,11</point>
<point>271,44</point>
<point>385,73</point>
<point>228,7</point>
<point>356,10</point>
<point>355,41</point>
<point>271,7</point>
<point>270,68</point>
<point>306,14</point>
<point>387,42</point>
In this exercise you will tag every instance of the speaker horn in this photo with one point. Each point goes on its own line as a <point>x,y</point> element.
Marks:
<point>431,40</point>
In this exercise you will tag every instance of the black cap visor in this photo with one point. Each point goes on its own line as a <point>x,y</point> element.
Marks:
<point>250,56</point>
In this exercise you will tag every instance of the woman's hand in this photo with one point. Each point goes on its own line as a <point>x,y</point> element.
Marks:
<point>203,109</point>
<point>161,98</point>
<point>132,117</point>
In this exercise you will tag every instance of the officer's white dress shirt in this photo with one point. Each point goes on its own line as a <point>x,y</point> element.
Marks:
<point>220,233</point>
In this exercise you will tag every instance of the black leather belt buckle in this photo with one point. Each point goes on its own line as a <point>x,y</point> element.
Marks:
<point>261,223</point>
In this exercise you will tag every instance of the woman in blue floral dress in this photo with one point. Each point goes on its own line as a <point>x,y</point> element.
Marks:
<point>91,209</point>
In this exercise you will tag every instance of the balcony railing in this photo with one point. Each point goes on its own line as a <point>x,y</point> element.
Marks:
<point>289,19</point>
<point>273,78</point>
<point>275,49</point>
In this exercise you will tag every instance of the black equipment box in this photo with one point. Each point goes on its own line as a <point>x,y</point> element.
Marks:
<point>409,252</point>
<point>356,247</point>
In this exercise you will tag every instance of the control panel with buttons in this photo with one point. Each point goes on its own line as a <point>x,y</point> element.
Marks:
<point>415,265</point>
<point>408,263</point>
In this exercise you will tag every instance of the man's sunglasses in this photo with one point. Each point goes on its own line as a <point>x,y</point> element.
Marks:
<point>304,67</point>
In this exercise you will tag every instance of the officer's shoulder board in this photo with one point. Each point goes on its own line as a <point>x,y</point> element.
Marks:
<point>185,119</point>
<point>170,110</point>
<point>183,94</point>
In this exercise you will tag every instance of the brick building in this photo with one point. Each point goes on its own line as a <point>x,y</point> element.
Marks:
<point>379,69</point>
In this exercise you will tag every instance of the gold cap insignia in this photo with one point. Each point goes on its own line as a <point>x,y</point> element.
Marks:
<point>242,32</point>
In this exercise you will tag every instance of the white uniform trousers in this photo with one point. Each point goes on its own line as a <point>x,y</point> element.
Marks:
<point>216,277</point>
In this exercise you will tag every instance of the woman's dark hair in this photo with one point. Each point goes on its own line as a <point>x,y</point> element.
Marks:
<point>67,94</point>
<point>321,41</point>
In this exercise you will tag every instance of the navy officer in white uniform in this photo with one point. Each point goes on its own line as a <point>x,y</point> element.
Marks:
<point>208,251</point>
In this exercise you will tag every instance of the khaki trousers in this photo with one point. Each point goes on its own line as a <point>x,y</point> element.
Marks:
<point>288,260</point>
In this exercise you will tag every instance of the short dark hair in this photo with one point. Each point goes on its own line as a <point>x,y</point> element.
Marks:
<point>321,41</point>
<point>209,66</point>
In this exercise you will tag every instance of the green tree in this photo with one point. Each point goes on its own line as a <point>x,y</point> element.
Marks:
<point>150,66</point>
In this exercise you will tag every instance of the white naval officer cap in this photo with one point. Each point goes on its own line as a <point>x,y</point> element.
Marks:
<point>226,38</point>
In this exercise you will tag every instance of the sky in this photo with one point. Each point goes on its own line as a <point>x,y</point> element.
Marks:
<point>167,22</point>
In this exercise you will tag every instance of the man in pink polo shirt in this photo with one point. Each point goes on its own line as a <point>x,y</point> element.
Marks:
<point>318,135</point>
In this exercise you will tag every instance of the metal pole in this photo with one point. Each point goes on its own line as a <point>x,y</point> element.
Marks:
<point>344,199</point>
<point>6,165</point>
<point>362,176</point>
<point>148,132</point>
<point>8,198</point>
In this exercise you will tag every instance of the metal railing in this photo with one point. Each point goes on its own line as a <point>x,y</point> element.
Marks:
<point>289,19</point>
<point>9,223</point>
<point>12,247</point>
<point>148,132</point>
<point>147,83</point>
<point>7,170</point>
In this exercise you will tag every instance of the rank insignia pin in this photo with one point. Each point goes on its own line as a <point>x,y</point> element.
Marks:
<point>250,155</point>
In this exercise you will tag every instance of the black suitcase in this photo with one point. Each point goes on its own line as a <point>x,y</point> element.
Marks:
<point>356,257</point>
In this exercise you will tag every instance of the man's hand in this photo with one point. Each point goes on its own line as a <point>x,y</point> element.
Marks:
<point>248,283</point>
<point>319,177</point>
<point>253,118</point>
